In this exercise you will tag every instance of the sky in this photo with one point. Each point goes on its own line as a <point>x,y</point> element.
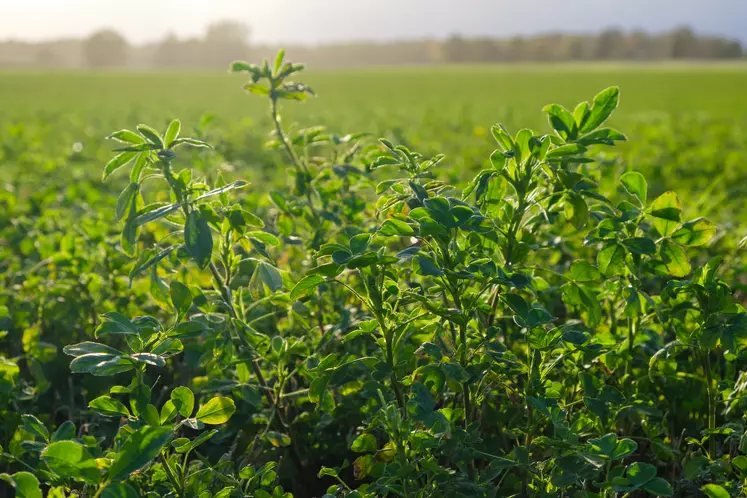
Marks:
<point>321,21</point>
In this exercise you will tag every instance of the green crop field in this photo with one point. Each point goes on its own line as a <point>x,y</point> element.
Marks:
<point>534,313</point>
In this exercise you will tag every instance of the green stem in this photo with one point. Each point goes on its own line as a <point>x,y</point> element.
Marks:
<point>100,490</point>
<point>711,404</point>
<point>395,382</point>
<point>170,475</point>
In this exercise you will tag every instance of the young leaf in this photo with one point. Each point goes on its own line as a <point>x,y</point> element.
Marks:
<point>172,133</point>
<point>604,103</point>
<point>561,121</point>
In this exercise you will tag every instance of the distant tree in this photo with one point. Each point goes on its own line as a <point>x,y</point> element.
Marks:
<point>224,42</point>
<point>47,58</point>
<point>685,45</point>
<point>105,48</point>
<point>610,44</point>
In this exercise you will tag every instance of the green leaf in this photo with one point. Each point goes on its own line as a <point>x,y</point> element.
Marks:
<point>101,364</point>
<point>640,473</point>
<point>126,137</point>
<point>222,190</point>
<point>640,245</point>
<point>172,132</point>
<point>359,243</point>
<point>740,463</point>
<point>25,483</point>
<point>425,266</point>
<point>277,439</point>
<point>279,61</point>
<point>581,271</point>
<point>695,233</point>
<point>658,487</point>
<point>715,491</point>
<point>184,401</point>
<point>611,259</point>
<point>517,304</point>
<point>396,227</point>
<point>561,121</point>
<point>576,210</point>
<point>109,407</point>
<point>198,239</point>
<point>192,142</point>
<point>581,114</point>
<point>240,67</point>
<point>270,276</point>
<point>216,411</point>
<point>181,298</point>
<point>665,211</point>
<point>71,460</point>
<point>138,451</point>
<point>604,103</point>
<point>151,135</point>
<point>264,237</point>
<point>364,443</point>
<point>116,323</point>
<point>32,425</point>
<point>88,348</point>
<point>129,237</point>
<point>635,184</point>
<point>65,431</point>
<point>565,150</point>
<point>117,162</point>
<point>601,136</point>
<point>126,201</point>
<point>674,258</point>
<point>305,286</point>
<point>118,490</point>
<point>623,448</point>
<point>147,260</point>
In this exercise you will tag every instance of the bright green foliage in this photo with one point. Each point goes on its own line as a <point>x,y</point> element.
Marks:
<point>355,325</point>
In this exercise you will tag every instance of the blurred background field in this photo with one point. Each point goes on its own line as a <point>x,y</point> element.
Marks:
<point>686,122</point>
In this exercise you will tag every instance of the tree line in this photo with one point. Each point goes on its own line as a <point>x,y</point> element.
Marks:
<point>226,41</point>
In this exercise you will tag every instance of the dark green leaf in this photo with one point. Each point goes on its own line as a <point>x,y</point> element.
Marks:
<point>198,239</point>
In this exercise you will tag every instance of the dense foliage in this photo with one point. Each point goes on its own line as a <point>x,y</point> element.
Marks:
<point>369,329</point>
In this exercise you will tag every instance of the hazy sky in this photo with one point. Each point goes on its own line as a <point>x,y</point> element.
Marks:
<point>334,20</point>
